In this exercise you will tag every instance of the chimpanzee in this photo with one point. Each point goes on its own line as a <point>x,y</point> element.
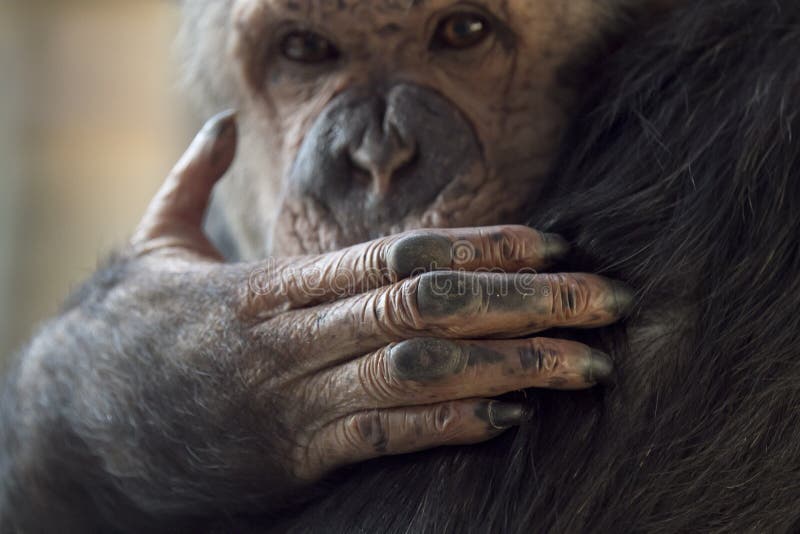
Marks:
<point>188,384</point>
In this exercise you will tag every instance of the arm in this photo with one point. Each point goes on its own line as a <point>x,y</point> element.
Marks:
<point>175,387</point>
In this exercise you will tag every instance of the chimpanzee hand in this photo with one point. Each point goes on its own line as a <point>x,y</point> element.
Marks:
<point>206,384</point>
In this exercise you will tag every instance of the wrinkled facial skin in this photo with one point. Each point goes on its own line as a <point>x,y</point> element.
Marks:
<point>396,132</point>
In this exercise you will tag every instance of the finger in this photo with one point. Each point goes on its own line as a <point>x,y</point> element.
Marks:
<point>454,306</point>
<point>427,370</point>
<point>174,217</point>
<point>367,435</point>
<point>315,279</point>
<point>504,248</point>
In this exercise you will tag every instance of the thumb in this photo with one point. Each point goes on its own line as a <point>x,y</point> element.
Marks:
<point>174,218</point>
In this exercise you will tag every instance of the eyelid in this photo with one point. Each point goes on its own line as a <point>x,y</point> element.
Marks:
<point>497,26</point>
<point>306,37</point>
<point>278,33</point>
<point>284,28</point>
<point>440,38</point>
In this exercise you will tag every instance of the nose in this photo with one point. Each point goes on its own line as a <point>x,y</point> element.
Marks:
<point>382,152</point>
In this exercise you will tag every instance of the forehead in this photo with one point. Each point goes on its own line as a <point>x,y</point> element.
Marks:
<point>355,7</point>
<point>364,10</point>
<point>534,18</point>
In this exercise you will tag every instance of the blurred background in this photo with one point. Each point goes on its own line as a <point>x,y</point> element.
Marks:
<point>91,120</point>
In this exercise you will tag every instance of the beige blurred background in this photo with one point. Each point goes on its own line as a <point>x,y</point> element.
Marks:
<point>91,119</point>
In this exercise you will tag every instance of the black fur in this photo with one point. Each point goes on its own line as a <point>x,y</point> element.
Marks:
<point>683,177</point>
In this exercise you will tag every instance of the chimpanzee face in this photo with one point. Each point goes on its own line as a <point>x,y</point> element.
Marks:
<point>360,118</point>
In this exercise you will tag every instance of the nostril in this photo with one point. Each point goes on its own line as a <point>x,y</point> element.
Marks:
<point>381,154</point>
<point>402,150</point>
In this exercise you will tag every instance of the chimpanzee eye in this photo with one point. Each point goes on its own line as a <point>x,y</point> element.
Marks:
<point>461,30</point>
<point>308,47</point>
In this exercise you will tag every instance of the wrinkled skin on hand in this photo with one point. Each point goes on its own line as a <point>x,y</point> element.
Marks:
<point>236,385</point>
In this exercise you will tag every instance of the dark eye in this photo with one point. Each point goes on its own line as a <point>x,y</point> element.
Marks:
<point>461,30</point>
<point>308,47</point>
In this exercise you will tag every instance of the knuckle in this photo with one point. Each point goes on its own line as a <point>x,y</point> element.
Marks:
<point>569,296</point>
<point>512,243</point>
<point>508,244</point>
<point>445,294</point>
<point>540,357</point>
<point>395,308</point>
<point>419,252</point>
<point>318,393</point>
<point>380,383</point>
<point>307,463</point>
<point>366,431</point>
<point>260,291</point>
<point>372,261</point>
<point>444,420</point>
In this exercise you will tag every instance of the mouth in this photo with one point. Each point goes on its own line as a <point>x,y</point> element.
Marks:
<point>308,224</point>
<point>379,164</point>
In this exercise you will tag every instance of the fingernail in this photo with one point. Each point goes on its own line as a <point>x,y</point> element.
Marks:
<point>599,369</point>
<point>221,124</point>
<point>555,246</point>
<point>624,298</point>
<point>506,414</point>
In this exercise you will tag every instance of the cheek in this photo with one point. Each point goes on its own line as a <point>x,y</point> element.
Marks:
<point>519,108</point>
<point>289,109</point>
<point>297,120</point>
<point>531,121</point>
<point>252,190</point>
<point>524,110</point>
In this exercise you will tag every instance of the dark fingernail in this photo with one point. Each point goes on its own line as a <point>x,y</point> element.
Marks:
<point>416,254</point>
<point>624,299</point>
<point>424,360</point>
<point>599,369</point>
<point>221,124</point>
<point>555,247</point>
<point>501,415</point>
